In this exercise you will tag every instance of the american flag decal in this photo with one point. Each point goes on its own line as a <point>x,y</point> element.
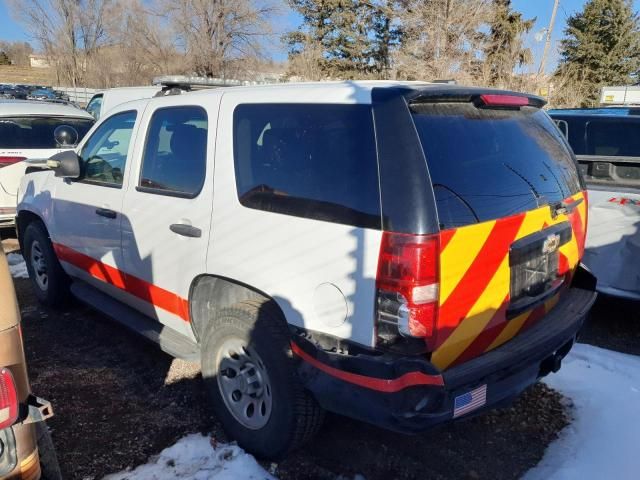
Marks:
<point>470,401</point>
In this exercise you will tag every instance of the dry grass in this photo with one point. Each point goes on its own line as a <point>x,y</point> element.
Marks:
<point>26,75</point>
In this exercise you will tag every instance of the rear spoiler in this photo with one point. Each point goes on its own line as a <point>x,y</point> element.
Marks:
<point>479,97</point>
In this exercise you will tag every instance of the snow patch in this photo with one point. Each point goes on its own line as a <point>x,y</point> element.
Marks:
<point>195,458</point>
<point>602,440</point>
<point>17,266</point>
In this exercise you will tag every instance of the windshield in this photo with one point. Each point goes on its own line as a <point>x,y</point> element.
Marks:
<point>487,164</point>
<point>38,132</point>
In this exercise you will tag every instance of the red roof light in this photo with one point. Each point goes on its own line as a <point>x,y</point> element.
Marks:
<point>499,100</point>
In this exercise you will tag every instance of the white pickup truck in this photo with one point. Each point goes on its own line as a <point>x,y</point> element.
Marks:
<point>606,142</point>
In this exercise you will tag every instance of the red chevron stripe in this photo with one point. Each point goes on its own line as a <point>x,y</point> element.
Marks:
<point>137,287</point>
<point>477,277</point>
<point>495,326</point>
<point>578,230</point>
<point>445,238</point>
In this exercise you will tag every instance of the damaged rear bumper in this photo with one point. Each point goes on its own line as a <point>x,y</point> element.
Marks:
<point>409,394</point>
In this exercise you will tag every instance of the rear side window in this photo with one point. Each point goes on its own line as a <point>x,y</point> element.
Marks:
<point>175,153</point>
<point>310,160</point>
<point>487,164</point>
<point>38,132</point>
<point>613,138</point>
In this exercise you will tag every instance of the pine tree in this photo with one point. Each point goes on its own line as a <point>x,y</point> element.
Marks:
<point>602,47</point>
<point>4,58</point>
<point>504,49</point>
<point>349,38</point>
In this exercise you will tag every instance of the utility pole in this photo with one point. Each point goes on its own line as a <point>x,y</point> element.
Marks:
<point>548,40</point>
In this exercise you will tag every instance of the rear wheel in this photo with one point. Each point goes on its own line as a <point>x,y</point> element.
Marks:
<point>50,283</point>
<point>250,377</point>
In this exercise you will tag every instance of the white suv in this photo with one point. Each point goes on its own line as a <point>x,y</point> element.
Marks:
<point>403,253</point>
<point>33,130</point>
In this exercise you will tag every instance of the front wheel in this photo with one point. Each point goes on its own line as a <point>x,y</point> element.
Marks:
<point>50,283</point>
<point>250,377</point>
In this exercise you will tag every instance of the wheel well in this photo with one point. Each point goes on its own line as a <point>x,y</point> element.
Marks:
<point>209,294</point>
<point>24,218</point>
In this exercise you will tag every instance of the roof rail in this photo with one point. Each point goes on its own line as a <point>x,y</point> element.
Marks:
<point>176,84</point>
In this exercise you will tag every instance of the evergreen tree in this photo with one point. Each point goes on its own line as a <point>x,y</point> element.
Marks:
<point>504,49</point>
<point>351,38</point>
<point>4,58</point>
<point>602,47</point>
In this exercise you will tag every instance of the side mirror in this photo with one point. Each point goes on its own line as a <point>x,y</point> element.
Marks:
<point>65,164</point>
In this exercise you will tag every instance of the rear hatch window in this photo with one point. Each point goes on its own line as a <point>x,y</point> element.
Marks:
<point>37,132</point>
<point>608,148</point>
<point>488,163</point>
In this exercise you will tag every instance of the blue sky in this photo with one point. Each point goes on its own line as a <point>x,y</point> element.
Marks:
<point>541,9</point>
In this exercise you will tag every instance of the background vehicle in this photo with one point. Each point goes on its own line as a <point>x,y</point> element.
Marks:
<point>350,253</point>
<point>606,142</point>
<point>42,94</point>
<point>33,130</point>
<point>104,101</point>
<point>22,415</point>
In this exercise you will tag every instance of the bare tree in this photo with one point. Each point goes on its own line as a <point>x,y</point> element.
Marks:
<point>69,32</point>
<point>215,33</point>
<point>441,38</point>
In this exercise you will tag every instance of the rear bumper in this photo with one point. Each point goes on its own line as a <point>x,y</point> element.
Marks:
<point>409,394</point>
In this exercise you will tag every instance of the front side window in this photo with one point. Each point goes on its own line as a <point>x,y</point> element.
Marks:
<point>308,160</point>
<point>95,106</point>
<point>104,156</point>
<point>175,153</point>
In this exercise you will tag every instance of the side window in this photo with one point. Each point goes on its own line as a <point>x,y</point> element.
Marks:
<point>308,160</point>
<point>95,105</point>
<point>563,126</point>
<point>104,156</point>
<point>613,138</point>
<point>175,152</point>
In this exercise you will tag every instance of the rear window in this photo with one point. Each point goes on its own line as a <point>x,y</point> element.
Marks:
<point>487,164</point>
<point>309,160</point>
<point>37,132</point>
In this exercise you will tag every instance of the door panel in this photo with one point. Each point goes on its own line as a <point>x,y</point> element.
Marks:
<point>87,213</point>
<point>167,212</point>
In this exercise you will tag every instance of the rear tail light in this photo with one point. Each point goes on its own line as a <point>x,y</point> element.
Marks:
<point>8,399</point>
<point>6,161</point>
<point>407,287</point>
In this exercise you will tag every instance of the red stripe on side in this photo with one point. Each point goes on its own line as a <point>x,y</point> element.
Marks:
<point>495,326</point>
<point>410,379</point>
<point>137,287</point>
<point>445,238</point>
<point>477,277</point>
<point>536,315</point>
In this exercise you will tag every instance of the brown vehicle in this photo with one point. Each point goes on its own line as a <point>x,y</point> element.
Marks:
<point>26,452</point>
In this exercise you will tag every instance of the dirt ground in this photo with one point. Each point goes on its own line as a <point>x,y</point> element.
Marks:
<point>119,400</point>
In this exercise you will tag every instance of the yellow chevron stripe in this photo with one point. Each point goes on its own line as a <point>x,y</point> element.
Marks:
<point>477,319</point>
<point>461,251</point>
<point>510,330</point>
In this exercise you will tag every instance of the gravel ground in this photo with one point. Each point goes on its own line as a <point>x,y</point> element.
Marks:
<point>119,400</point>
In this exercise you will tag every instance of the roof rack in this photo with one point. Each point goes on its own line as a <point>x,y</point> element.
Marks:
<point>177,84</point>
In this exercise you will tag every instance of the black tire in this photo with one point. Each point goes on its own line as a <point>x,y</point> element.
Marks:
<point>295,415</point>
<point>48,458</point>
<point>56,291</point>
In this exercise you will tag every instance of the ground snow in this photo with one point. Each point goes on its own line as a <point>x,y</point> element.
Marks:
<point>194,458</point>
<point>17,266</point>
<point>603,437</point>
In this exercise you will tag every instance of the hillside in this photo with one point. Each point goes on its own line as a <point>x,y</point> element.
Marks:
<point>27,75</point>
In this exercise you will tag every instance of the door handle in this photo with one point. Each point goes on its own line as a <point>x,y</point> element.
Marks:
<point>105,212</point>
<point>185,230</point>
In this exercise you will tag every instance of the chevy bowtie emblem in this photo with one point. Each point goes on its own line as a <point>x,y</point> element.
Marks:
<point>551,243</point>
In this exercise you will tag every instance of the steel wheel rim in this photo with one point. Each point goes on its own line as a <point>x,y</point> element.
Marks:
<point>39,265</point>
<point>244,384</point>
